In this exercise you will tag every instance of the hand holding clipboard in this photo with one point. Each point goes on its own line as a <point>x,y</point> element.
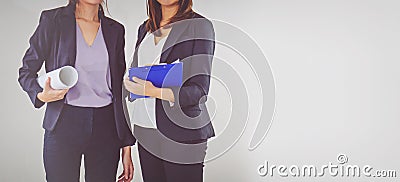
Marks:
<point>162,76</point>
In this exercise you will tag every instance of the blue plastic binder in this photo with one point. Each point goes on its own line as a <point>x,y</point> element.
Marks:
<point>162,76</point>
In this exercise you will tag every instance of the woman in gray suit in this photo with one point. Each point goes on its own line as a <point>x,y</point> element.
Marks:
<point>173,125</point>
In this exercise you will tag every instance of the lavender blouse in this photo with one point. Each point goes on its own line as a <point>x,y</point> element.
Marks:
<point>94,84</point>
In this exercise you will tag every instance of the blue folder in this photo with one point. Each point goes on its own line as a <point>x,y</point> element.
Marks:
<point>162,76</point>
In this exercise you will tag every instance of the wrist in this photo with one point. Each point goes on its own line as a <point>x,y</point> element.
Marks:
<point>126,152</point>
<point>40,96</point>
<point>155,92</point>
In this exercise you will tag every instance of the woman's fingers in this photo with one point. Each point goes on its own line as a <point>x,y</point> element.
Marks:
<point>129,85</point>
<point>127,171</point>
<point>47,86</point>
<point>121,177</point>
<point>132,170</point>
<point>61,93</point>
<point>128,82</point>
<point>138,80</point>
<point>51,91</point>
<point>137,87</point>
<point>126,174</point>
<point>65,91</point>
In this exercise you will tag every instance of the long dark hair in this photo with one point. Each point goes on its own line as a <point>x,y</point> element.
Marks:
<point>103,5</point>
<point>185,11</point>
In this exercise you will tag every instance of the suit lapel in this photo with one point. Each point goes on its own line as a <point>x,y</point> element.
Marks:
<point>173,38</point>
<point>67,30</point>
<point>141,35</point>
<point>110,38</point>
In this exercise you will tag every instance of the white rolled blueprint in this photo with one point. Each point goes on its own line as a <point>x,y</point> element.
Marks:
<point>63,78</point>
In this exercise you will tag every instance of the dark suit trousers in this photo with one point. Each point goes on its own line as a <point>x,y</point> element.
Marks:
<point>88,132</point>
<point>156,167</point>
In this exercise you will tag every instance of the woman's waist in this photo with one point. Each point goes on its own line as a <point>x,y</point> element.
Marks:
<point>108,107</point>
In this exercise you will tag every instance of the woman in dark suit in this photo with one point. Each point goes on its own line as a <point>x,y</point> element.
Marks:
<point>87,119</point>
<point>173,125</point>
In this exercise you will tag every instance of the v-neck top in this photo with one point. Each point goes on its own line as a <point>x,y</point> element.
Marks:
<point>93,88</point>
<point>149,53</point>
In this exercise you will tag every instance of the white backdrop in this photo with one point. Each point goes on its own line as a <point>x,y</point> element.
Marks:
<point>336,68</point>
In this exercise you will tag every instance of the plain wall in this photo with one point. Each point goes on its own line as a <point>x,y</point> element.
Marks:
<point>335,64</point>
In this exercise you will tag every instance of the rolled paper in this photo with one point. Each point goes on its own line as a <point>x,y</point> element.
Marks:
<point>63,78</point>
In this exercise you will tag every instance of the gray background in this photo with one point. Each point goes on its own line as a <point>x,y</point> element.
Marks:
<point>336,68</point>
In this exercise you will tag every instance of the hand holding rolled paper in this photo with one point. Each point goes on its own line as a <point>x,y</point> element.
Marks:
<point>56,83</point>
<point>49,94</point>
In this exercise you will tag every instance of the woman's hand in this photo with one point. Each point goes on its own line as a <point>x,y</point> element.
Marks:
<point>140,87</point>
<point>146,88</point>
<point>49,94</point>
<point>127,175</point>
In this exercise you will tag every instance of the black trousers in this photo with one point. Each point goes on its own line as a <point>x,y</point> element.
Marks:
<point>163,161</point>
<point>88,132</point>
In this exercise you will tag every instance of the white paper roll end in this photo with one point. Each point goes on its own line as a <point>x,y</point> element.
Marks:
<point>63,78</point>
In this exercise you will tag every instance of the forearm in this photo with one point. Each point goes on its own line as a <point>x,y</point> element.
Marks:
<point>40,97</point>
<point>126,151</point>
<point>163,94</point>
<point>126,154</point>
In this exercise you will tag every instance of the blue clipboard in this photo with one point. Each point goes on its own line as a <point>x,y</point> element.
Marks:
<point>162,76</point>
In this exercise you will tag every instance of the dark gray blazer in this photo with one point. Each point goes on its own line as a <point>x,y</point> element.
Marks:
<point>193,42</point>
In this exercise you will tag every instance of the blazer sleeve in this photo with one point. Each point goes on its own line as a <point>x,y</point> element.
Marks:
<point>135,58</point>
<point>195,89</point>
<point>33,60</point>
<point>129,139</point>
